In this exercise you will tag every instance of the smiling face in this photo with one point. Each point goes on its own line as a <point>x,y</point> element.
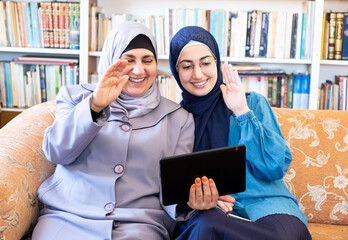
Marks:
<point>197,70</point>
<point>141,69</point>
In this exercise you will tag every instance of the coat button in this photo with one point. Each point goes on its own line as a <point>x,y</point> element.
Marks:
<point>125,127</point>
<point>116,224</point>
<point>109,207</point>
<point>125,118</point>
<point>118,169</point>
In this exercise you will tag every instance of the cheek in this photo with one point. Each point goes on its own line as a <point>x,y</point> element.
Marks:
<point>152,72</point>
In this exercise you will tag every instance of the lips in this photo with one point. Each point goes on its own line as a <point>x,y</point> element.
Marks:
<point>136,80</point>
<point>199,84</point>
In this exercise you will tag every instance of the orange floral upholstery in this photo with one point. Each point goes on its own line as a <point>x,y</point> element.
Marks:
<point>318,141</point>
<point>23,167</point>
<point>318,174</point>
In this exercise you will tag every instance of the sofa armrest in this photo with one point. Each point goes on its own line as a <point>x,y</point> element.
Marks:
<point>23,167</point>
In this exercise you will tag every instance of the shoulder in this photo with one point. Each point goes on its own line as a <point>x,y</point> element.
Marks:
<point>173,108</point>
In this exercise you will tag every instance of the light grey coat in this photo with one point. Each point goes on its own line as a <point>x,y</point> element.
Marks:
<point>109,169</point>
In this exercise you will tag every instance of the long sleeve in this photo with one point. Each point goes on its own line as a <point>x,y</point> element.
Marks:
<point>267,153</point>
<point>73,128</point>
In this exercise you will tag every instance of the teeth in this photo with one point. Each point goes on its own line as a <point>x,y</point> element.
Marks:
<point>199,83</point>
<point>136,80</point>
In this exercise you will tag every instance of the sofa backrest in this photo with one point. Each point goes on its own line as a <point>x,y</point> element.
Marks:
<point>318,174</point>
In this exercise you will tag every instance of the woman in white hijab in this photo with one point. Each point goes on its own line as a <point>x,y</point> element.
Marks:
<point>107,140</point>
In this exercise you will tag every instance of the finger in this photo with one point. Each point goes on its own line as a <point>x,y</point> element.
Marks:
<point>118,68</point>
<point>226,74</point>
<point>206,191</point>
<point>192,196</point>
<point>223,206</point>
<point>110,70</point>
<point>122,81</point>
<point>223,90</point>
<point>198,192</point>
<point>214,191</point>
<point>227,198</point>
<point>231,72</point>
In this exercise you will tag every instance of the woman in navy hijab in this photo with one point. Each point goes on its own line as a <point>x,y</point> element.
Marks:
<point>225,115</point>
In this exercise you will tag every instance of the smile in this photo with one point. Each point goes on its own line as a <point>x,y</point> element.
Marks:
<point>199,83</point>
<point>136,80</point>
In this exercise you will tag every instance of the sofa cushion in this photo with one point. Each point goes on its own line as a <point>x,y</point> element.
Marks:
<point>318,174</point>
<point>23,167</point>
<point>328,231</point>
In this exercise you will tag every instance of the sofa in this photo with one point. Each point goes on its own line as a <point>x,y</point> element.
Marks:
<point>318,174</point>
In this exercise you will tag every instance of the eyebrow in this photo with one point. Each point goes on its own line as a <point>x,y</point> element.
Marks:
<point>132,56</point>
<point>192,61</point>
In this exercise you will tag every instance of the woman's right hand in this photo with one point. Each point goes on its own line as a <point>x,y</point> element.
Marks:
<point>109,86</point>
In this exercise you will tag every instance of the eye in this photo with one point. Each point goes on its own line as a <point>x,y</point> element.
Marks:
<point>148,61</point>
<point>186,66</point>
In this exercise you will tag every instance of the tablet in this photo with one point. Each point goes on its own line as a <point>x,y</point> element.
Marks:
<point>226,166</point>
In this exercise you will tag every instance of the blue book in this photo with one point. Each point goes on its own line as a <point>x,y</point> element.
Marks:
<point>213,19</point>
<point>71,74</point>
<point>305,86</point>
<point>220,31</point>
<point>345,37</point>
<point>36,41</point>
<point>296,101</point>
<point>196,17</point>
<point>43,83</point>
<point>264,34</point>
<point>303,34</point>
<point>8,84</point>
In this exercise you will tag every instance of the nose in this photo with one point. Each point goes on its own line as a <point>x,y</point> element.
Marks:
<point>197,72</point>
<point>138,68</point>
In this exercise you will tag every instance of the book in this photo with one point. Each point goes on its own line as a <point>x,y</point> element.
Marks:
<point>264,34</point>
<point>296,101</point>
<point>305,86</point>
<point>293,43</point>
<point>43,89</point>
<point>339,36</point>
<point>345,37</point>
<point>332,34</point>
<point>290,89</point>
<point>325,36</point>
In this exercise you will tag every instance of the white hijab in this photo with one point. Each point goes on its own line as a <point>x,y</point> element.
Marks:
<point>116,42</point>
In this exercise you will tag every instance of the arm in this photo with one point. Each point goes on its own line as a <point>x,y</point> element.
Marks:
<point>267,154</point>
<point>74,127</point>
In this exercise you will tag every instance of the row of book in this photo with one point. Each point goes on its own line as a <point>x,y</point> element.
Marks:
<point>280,89</point>
<point>38,24</point>
<point>27,81</point>
<point>334,44</point>
<point>333,95</point>
<point>254,33</point>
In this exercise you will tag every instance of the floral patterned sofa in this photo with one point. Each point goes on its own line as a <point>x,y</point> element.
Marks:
<point>318,175</point>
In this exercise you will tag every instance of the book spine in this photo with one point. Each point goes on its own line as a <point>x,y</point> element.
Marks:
<point>290,89</point>
<point>247,41</point>
<point>294,35</point>
<point>297,92</point>
<point>264,34</point>
<point>305,85</point>
<point>345,37</point>
<point>339,36</point>
<point>332,34</point>
<point>43,83</point>
<point>8,84</point>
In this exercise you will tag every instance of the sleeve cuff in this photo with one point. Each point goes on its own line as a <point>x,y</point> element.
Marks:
<point>246,116</point>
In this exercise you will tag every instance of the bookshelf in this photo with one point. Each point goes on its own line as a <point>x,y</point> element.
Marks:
<point>320,70</point>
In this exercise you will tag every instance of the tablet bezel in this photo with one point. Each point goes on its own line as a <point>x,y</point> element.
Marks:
<point>226,166</point>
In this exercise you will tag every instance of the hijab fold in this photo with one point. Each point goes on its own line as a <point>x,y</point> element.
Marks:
<point>115,44</point>
<point>211,115</point>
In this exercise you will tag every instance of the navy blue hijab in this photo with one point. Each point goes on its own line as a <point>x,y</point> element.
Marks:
<point>211,115</point>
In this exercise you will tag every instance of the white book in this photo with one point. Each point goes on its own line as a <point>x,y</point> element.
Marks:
<point>257,33</point>
<point>243,29</point>
<point>288,29</point>
<point>270,35</point>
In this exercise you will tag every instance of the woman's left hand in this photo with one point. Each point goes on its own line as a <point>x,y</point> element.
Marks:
<point>203,194</point>
<point>226,203</point>
<point>233,92</point>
